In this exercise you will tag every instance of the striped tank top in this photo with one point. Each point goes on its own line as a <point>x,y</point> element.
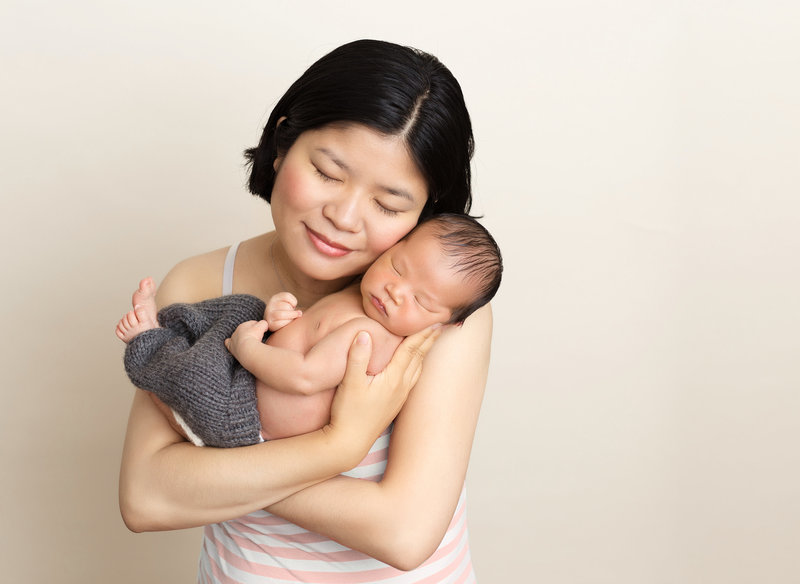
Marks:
<point>262,548</point>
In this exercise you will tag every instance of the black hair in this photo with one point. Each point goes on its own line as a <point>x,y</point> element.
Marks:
<point>473,253</point>
<point>392,89</point>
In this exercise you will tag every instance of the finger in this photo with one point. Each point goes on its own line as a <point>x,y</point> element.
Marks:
<point>413,349</point>
<point>287,315</point>
<point>358,359</point>
<point>290,298</point>
<point>228,344</point>
<point>413,355</point>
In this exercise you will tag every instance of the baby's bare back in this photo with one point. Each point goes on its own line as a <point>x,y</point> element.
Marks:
<point>283,414</point>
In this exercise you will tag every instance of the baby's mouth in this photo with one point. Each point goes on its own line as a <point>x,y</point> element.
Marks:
<point>379,305</point>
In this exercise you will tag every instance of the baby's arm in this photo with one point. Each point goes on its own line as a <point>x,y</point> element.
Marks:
<point>321,367</point>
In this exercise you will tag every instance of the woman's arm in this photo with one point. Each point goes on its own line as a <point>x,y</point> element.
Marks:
<point>166,483</point>
<point>402,519</point>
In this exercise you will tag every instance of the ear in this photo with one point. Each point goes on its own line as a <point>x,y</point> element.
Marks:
<point>276,164</point>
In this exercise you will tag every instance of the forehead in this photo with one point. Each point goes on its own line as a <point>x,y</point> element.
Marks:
<point>425,262</point>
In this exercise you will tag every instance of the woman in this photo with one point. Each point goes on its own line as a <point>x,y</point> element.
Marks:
<point>371,138</point>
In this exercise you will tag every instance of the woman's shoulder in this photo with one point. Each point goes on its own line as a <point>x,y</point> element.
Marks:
<point>193,279</point>
<point>472,338</point>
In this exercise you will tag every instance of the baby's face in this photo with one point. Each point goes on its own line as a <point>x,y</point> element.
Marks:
<point>412,286</point>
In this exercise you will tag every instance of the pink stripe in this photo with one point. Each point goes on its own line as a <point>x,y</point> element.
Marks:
<point>304,537</point>
<point>302,575</point>
<point>263,520</point>
<point>217,571</point>
<point>468,574</point>
<point>345,555</point>
<point>373,457</point>
<point>333,578</point>
<point>446,571</point>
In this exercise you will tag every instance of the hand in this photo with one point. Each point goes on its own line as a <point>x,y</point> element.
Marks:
<point>365,405</point>
<point>246,334</point>
<point>281,310</point>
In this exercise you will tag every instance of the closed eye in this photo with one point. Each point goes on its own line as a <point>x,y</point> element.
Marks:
<point>324,176</point>
<point>386,210</point>
<point>421,305</point>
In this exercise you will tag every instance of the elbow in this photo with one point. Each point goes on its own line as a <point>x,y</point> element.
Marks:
<point>303,384</point>
<point>410,557</point>
<point>133,519</point>
<point>139,513</point>
<point>409,547</point>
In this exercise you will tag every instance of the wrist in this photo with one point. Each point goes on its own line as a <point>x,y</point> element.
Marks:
<point>347,447</point>
<point>243,350</point>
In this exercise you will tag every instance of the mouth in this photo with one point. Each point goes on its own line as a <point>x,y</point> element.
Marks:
<point>378,304</point>
<point>325,245</point>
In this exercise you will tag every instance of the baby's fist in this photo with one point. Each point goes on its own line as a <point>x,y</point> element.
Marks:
<point>281,310</point>
<point>251,331</point>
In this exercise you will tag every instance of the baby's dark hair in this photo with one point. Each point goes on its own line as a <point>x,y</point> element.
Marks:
<point>473,253</point>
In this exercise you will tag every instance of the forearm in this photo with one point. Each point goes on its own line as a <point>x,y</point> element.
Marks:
<point>166,483</point>
<point>384,521</point>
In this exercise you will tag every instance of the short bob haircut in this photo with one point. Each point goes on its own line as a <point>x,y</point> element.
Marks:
<point>392,89</point>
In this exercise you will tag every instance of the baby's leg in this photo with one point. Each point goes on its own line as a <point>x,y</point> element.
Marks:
<point>143,317</point>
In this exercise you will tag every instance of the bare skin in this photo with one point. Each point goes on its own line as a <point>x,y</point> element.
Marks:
<point>143,315</point>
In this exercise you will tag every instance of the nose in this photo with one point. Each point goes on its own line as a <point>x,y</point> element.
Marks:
<point>344,212</point>
<point>396,292</point>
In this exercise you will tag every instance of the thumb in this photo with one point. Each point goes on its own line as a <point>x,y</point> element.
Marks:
<point>358,357</point>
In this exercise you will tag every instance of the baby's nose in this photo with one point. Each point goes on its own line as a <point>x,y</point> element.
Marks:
<point>395,293</point>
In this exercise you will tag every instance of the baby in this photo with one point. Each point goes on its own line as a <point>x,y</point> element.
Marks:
<point>441,272</point>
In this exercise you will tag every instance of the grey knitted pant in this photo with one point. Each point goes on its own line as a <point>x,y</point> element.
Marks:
<point>185,363</point>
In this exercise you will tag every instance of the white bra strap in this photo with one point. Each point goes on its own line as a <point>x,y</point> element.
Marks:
<point>227,270</point>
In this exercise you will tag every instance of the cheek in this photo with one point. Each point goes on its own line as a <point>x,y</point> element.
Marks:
<point>383,237</point>
<point>292,188</point>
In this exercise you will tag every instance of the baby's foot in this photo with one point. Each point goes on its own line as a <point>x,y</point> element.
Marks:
<point>143,317</point>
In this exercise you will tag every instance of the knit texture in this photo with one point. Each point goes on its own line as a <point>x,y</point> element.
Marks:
<point>185,363</point>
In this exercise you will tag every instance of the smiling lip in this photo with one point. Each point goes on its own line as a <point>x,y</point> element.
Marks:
<point>379,305</point>
<point>325,245</point>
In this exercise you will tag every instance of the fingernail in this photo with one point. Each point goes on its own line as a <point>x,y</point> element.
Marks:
<point>362,338</point>
<point>436,326</point>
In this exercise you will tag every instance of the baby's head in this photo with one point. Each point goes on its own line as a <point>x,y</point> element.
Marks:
<point>441,272</point>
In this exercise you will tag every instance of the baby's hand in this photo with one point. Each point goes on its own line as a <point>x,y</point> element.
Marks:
<point>246,334</point>
<point>281,310</point>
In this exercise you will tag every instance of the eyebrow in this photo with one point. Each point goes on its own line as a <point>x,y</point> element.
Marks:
<point>341,164</point>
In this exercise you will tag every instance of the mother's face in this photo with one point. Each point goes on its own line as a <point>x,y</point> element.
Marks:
<point>343,195</point>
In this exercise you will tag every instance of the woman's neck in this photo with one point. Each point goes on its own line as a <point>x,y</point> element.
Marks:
<point>307,290</point>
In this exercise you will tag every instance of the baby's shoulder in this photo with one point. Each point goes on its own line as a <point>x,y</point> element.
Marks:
<point>335,310</point>
<point>384,342</point>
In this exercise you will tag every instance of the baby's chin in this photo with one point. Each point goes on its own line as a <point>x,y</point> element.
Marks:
<point>405,331</point>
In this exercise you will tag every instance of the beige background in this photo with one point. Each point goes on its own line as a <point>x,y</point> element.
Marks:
<point>638,163</point>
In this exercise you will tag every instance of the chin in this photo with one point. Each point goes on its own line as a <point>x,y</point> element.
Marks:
<point>326,270</point>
